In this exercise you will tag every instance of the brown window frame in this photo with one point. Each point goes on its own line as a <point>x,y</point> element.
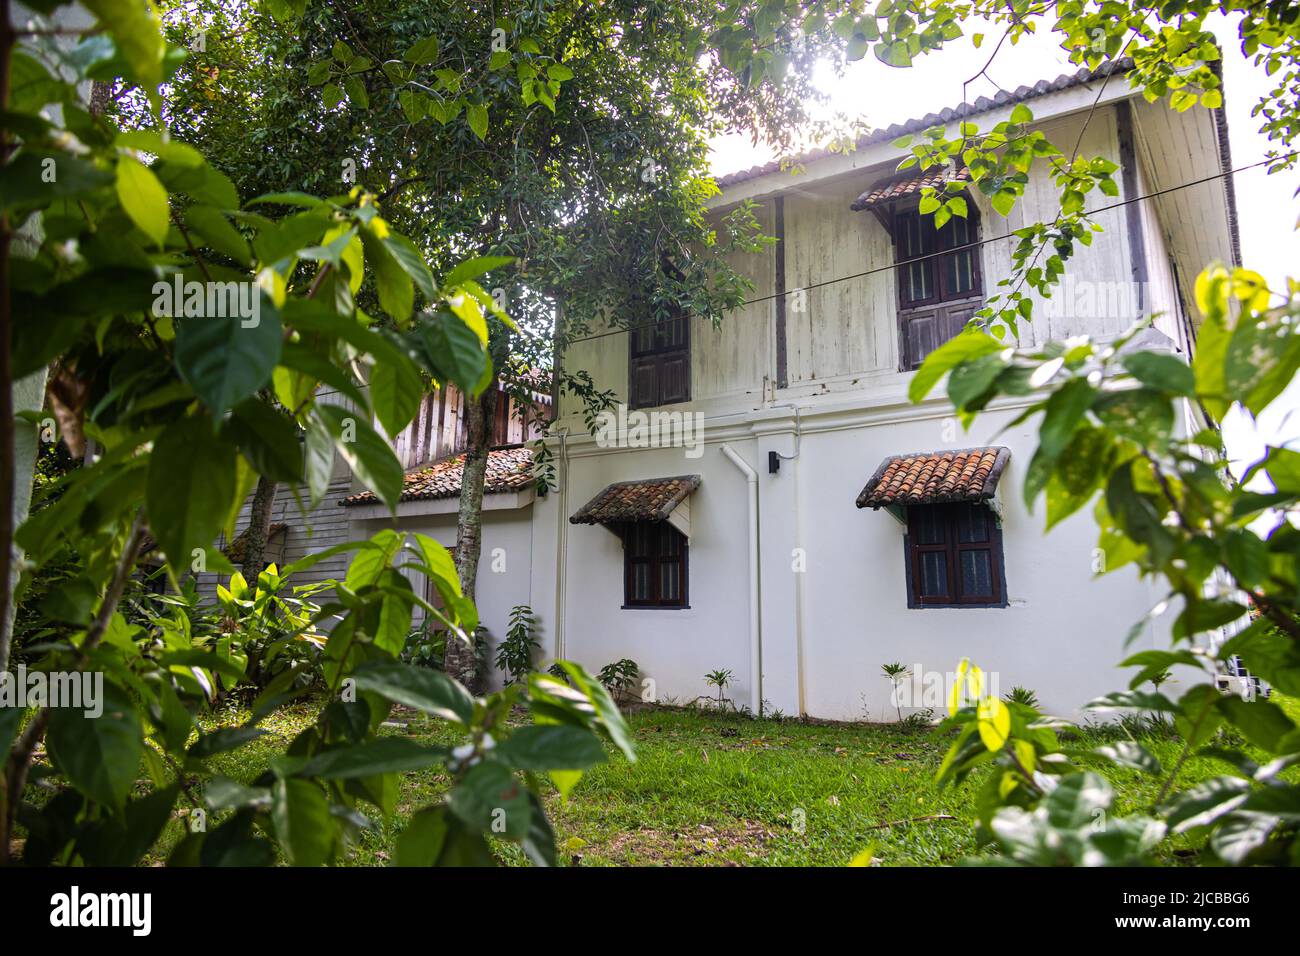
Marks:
<point>952,548</point>
<point>948,308</point>
<point>663,350</point>
<point>653,562</point>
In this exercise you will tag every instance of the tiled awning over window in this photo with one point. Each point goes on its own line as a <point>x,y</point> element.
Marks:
<point>651,499</point>
<point>894,188</point>
<point>939,477</point>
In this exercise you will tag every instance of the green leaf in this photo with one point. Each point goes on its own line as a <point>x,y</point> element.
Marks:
<point>356,90</point>
<point>396,293</point>
<point>303,823</point>
<point>542,747</point>
<point>143,198</point>
<point>412,260</point>
<point>1132,700</point>
<point>1129,753</point>
<point>477,117</point>
<point>24,184</point>
<point>429,691</point>
<point>473,268</point>
<point>1064,413</point>
<point>1162,372</point>
<point>99,755</point>
<point>1206,802</point>
<point>1143,415</point>
<point>384,755</point>
<point>968,345</point>
<point>489,799</point>
<point>453,352</point>
<point>217,233</point>
<point>225,357</point>
<point>1261,722</point>
<point>331,95</point>
<point>396,390</point>
<point>190,487</point>
<point>422,52</point>
<point>371,562</point>
<point>369,456</point>
<point>268,439</point>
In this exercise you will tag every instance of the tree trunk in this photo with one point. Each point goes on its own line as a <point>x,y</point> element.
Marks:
<point>460,659</point>
<point>259,528</point>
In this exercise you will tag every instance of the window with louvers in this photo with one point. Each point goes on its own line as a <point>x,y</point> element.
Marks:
<point>654,565</point>
<point>954,554</point>
<point>939,281</point>
<point>659,363</point>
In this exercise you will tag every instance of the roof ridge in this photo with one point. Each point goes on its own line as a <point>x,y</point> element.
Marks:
<point>982,104</point>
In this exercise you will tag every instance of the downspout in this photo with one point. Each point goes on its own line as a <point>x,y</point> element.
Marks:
<point>755,631</point>
<point>561,540</point>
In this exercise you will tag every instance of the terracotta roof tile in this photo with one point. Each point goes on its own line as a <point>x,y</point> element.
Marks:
<point>893,188</point>
<point>924,478</point>
<point>650,500</point>
<point>982,105</point>
<point>508,469</point>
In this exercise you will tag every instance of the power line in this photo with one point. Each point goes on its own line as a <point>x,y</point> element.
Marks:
<point>932,255</point>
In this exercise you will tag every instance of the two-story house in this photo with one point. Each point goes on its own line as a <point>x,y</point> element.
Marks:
<point>803,522</point>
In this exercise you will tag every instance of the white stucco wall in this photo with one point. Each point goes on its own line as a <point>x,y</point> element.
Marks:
<point>827,629</point>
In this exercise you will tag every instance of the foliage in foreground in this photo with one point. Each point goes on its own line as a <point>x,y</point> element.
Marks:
<point>192,402</point>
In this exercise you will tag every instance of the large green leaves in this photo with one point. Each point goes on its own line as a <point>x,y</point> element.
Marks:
<point>369,456</point>
<point>432,692</point>
<point>100,755</point>
<point>143,198</point>
<point>225,356</point>
<point>189,489</point>
<point>303,824</point>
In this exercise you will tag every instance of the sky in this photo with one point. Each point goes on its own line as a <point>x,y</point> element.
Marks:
<point>1267,205</point>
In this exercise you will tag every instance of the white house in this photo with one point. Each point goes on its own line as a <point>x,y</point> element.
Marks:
<point>818,524</point>
<point>769,502</point>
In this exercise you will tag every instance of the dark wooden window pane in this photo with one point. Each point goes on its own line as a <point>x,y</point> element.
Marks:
<point>951,274</point>
<point>976,574</point>
<point>954,551</point>
<point>972,523</point>
<point>929,526</point>
<point>655,565</point>
<point>934,573</point>
<point>659,363</point>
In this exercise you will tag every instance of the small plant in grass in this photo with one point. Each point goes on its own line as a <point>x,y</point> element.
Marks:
<point>721,679</point>
<point>896,673</point>
<point>516,653</point>
<point>1022,695</point>
<point>425,646</point>
<point>619,676</point>
<point>921,720</point>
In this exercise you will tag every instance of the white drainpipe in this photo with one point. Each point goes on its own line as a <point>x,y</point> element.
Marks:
<point>755,633</point>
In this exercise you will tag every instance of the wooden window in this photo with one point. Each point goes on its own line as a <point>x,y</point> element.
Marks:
<point>954,557</point>
<point>654,565</point>
<point>659,363</point>
<point>939,281</point>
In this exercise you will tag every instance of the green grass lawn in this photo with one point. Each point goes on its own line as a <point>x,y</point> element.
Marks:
<point>720,790</point>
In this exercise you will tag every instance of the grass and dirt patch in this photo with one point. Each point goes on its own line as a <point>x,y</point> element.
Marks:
<point>725,790</point>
